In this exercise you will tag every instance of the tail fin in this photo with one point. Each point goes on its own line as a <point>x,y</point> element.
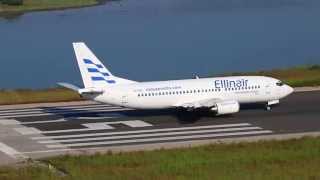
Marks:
<point>94,73</point>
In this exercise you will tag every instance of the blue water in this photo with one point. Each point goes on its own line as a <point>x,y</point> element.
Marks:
<point>160,39</point>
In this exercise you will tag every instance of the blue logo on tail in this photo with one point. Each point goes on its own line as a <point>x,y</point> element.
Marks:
<point>96,70</point>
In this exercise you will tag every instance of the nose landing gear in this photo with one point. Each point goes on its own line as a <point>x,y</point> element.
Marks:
<point>268,107</point>
<point>271,103</point>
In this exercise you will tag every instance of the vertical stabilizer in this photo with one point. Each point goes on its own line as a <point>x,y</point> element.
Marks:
<point>94,73</point>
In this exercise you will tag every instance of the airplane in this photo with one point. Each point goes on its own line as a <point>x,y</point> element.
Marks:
<point>221,95</point>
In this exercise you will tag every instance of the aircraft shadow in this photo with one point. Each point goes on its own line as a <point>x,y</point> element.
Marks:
<point>182,116</point>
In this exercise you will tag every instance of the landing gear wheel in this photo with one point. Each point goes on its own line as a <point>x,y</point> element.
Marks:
<point>268,108</point>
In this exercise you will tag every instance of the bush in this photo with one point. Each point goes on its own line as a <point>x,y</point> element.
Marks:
<point>314,67</point>
<point>12,2</point>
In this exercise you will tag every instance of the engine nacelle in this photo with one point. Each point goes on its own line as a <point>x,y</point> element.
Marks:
<point>226,107</point>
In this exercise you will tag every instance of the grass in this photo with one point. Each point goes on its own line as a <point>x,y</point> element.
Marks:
<point>32,5</point>
<point>36,96</point>
<point>290,159</point>
<point>308,75</point>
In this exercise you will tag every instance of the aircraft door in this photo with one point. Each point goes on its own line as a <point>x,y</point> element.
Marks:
<point>124,99</point>
<point>271,91</point>
<point>268,89</point>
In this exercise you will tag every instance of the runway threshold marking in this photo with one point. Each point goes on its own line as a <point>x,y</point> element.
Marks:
<point>97,118</point>
<point>159,139</point>
<point>71,112</point>
<point>11,152</point>
<point>141,131</point>
<point>90,127</point>
<point>57,111</point>
<point>149,135</point>
<point>54,108</point>
<point>15,122</point>
<point>27,130</point>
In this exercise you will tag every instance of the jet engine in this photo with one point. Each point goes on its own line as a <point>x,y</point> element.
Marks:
<point>226,107</point>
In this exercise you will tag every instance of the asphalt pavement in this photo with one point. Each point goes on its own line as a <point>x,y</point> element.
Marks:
<point>42,130</point>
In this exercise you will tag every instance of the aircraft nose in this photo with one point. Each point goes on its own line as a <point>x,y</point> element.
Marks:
<point>289,89</point>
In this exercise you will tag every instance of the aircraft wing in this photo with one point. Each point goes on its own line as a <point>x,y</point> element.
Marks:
<point>205,103</point>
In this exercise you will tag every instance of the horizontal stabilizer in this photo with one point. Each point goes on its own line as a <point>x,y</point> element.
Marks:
<point>69,86</point>
<point>90,91</point>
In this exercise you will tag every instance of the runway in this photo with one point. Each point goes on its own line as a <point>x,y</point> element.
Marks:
<point>60,128</point>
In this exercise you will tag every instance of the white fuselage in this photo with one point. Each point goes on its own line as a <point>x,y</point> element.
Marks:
<point>169,94</point>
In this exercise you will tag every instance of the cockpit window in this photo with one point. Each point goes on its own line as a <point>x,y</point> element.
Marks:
<point>280,83</point>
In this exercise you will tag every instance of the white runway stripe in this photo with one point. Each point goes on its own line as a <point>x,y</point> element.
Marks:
<point>14,122</point>
<point>54,107</point>
<point>141,131</point>
<point>57,111</point>
<point>159,139</point>
<point>71,112</point>
<point>90,127</point>
<point>98,118</point>
<point>150,135</point>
